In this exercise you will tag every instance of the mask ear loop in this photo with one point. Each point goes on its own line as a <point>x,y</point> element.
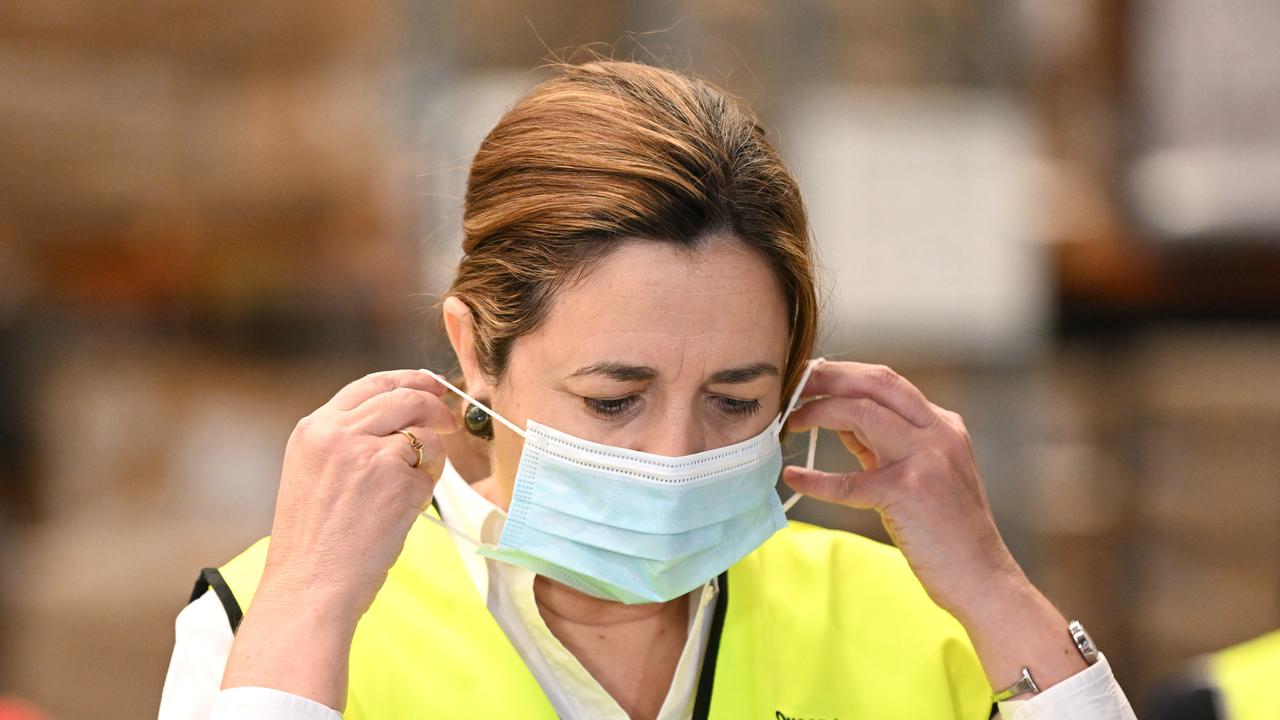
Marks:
<point>795,394</point>
<point>813,450</point>
<point>440,521</point>
<point>454,531</point>
<point>473,401</point>
<point>813,432</point>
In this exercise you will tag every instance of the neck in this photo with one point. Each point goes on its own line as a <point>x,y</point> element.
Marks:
<point>570,605</point>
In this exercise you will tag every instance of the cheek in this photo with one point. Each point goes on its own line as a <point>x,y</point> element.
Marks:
<point>505,450</point>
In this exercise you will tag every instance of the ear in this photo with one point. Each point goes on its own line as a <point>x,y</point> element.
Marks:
<point>461,330</point>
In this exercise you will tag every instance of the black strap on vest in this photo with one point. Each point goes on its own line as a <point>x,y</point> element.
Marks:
<point>211,578</point>
<point>706,678</point>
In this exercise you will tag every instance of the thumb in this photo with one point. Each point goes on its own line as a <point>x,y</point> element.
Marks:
<point>865,489</point>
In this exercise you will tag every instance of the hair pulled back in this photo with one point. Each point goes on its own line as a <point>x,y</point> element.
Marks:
<point>609,151</point>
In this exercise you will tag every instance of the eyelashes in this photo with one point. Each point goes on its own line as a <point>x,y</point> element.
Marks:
<point>610,408</point>
<point>733,406</point>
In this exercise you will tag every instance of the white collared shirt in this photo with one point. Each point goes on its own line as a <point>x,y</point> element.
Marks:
<point>203,643</point>
<point>508,590</point>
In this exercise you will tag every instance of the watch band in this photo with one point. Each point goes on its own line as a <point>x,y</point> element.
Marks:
<point>1026,684</point>
<point>1084,643</point>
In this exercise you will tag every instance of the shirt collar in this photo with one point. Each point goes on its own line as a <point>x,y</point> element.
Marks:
<point>466,509</point>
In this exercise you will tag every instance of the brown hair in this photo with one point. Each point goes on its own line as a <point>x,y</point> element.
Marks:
<point>613,150</point>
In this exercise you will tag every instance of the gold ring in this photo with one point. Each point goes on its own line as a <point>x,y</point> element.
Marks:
<point>415,444</point>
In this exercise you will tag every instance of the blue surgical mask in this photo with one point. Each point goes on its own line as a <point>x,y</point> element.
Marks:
<point>635,527</point>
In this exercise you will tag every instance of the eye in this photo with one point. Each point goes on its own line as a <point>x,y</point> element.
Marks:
<point>734,406</point>
<point>610,407</point>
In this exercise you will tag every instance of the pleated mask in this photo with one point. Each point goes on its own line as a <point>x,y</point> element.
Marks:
<point>636,527</point>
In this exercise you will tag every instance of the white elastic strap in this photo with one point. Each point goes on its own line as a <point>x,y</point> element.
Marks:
<point>795,394</point>
<point>474,401</point>
<point>808,463</point>
<point>791,502</point>
<point>452,530</point>
<point>813,432</point>
<point>813,448</point>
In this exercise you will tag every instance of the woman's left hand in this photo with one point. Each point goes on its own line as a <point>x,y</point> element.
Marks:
<point>919,473</point>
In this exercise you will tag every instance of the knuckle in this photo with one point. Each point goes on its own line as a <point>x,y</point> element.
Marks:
<point>315,427</point>
<point>435,405</point>
<point>949,420</point>
<point>361,461</point>
<point>912,479</point>
<point>387,455</point>
<point>377,380</point>
<point>863,411</point>
<point>305,424</point>
<point>959,436</point>
<point>331,430</point>
<point>431,445</point>
<point>404,396</point>
<point>885,375</point>
<point>845,486</point>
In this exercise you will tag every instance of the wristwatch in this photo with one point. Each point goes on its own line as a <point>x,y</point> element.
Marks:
<point>1084,643</point>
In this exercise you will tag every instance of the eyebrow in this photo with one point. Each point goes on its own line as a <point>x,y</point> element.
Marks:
<point>743,374</point>
<point>625,372</point>
<point>620,371</point>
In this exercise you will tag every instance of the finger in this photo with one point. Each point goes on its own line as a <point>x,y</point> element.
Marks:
<point>432,449</point>
<point>866,458</point>
<point>387,412</point>
<point>880,429</point>
<point>372,384</point>
<point>868,489</point>
<point>877,382</point>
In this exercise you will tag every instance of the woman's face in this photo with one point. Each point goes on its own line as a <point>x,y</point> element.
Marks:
<point>660,349</point>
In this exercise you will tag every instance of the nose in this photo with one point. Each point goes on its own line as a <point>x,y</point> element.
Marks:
<point>675,433</point>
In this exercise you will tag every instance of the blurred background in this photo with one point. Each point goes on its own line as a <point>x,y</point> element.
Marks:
<point>1061,219</point>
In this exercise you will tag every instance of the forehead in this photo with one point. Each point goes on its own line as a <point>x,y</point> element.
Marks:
<point>660,303</point>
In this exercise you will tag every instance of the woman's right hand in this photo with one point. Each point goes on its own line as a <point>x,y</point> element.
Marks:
<point>348,496</point>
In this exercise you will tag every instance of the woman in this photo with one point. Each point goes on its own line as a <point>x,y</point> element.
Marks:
<point>635,308</point>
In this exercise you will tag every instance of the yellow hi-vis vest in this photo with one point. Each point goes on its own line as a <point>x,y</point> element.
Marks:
<point>1247,677</point>
<point>814,624</point>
